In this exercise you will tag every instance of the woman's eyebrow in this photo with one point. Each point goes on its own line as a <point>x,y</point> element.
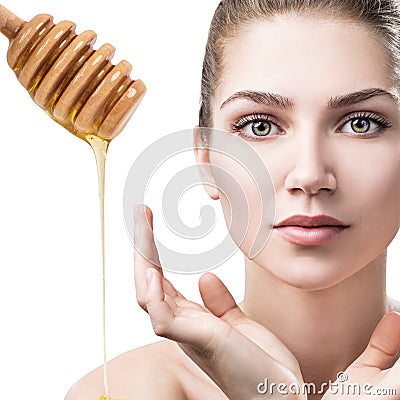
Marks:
<point>278,101</point>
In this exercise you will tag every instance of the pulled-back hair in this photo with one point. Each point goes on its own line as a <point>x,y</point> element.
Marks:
<point>382,17</point>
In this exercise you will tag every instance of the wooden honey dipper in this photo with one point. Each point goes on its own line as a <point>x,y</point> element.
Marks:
<point>76,85</point>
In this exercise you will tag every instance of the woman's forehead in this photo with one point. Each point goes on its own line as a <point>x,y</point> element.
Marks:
<point>304,56</point>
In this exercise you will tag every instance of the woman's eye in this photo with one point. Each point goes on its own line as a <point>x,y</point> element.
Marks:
<point>255,128</point>
<point>360,125</point>
<point>365,125</point>
<point>261,128</point>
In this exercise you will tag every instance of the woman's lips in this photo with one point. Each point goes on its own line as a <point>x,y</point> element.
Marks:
<point>310,230</point>
<point>309,236</point>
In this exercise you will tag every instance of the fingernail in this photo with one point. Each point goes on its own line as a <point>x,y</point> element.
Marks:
<point>149,276</point>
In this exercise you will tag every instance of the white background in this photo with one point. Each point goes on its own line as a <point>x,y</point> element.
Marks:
<point>50,254</point>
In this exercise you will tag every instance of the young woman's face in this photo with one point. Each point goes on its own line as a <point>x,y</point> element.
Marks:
<point>326,155</point>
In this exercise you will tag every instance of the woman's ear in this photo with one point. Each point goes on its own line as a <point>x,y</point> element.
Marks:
<point>202,155</point>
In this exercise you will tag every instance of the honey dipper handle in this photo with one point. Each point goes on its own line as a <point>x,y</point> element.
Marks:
<point>10,24</point>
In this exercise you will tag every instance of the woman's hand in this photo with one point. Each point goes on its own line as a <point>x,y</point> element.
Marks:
<point>373,374</point>
<point>235,351</point>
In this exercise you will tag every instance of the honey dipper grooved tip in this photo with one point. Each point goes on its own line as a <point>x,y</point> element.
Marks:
<point>76,85</point>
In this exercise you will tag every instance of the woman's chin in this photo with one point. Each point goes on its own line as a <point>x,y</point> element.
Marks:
<point>310,274</point>
<point>310,282</point>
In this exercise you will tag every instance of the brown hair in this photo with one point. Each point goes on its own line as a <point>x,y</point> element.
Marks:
<point>381,16</point>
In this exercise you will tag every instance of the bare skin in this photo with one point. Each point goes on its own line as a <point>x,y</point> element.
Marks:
<point>133,374</point>
<point>178,378</point>
<point>308,312</point>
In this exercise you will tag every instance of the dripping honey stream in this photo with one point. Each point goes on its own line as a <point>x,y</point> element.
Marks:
<point>100,147</point>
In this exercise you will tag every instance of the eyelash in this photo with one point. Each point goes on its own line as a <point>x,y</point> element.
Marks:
<point>237,127</point>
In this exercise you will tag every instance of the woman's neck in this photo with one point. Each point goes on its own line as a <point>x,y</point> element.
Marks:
<point>325,329</point>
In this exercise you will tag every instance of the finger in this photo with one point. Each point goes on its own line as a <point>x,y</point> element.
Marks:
<point>384,344</point>
<point>146,255</point>
<point>145,251</point>
<point>144,236</point>
<point>215,295</point>
<point>166,320</point>
<point>219,300</point>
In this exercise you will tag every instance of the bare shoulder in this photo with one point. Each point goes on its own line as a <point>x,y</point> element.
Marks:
<point>147,372</point>
<point>159,370</point>
<point>393,304</point>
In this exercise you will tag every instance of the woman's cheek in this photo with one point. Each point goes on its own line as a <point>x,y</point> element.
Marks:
<point>376,187</point>
<point>249,219</point>
<point>247,198</point>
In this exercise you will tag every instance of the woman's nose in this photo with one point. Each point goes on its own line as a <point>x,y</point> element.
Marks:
<point>312,170</point>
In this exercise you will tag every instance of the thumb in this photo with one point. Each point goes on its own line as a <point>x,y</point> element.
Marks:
<point>384,344</point>
<point>216,296</point>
